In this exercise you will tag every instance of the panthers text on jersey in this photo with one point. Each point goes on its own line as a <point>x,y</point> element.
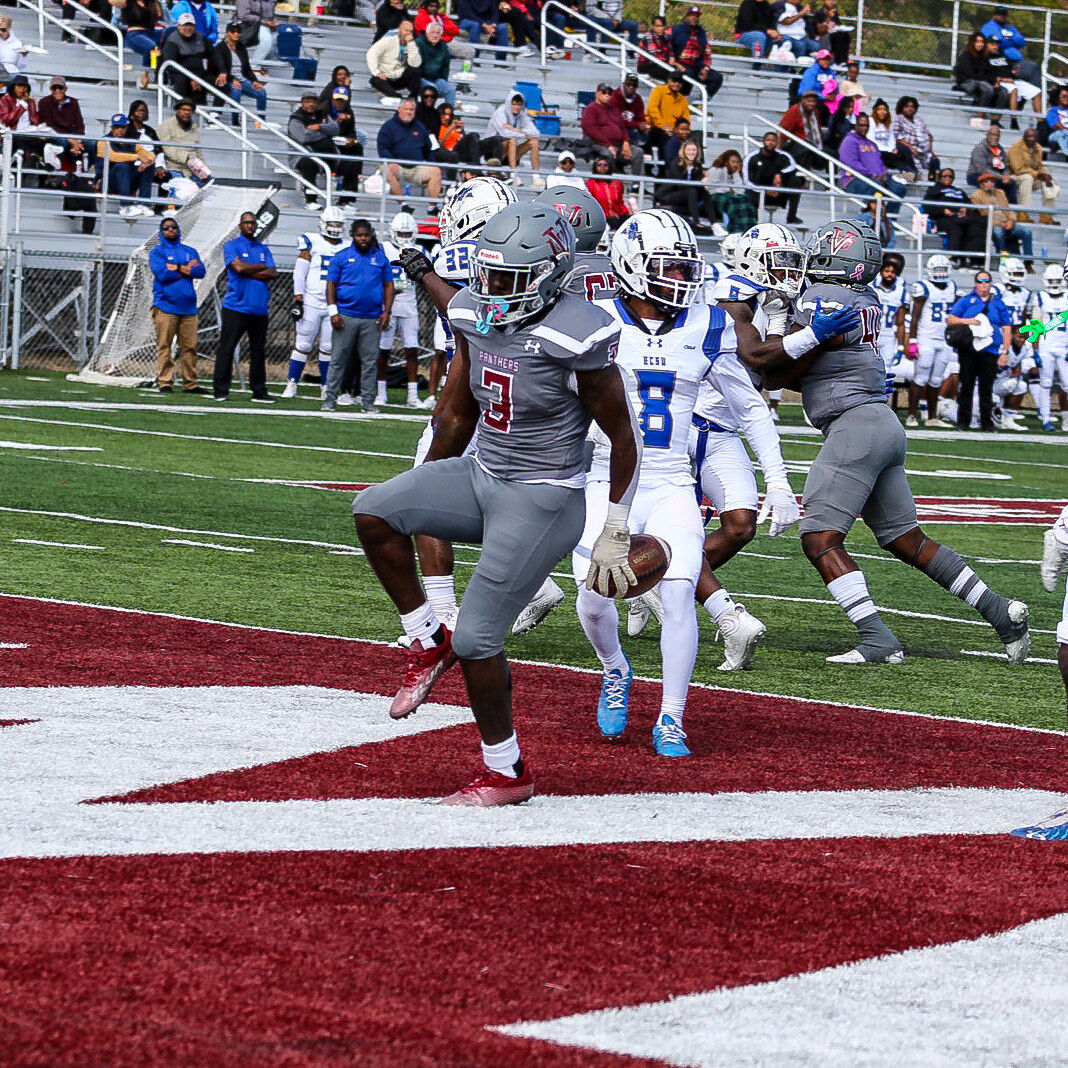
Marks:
<point>404,300</point>
<point>592,277</point>
<point>533,426</point>
<point>321,251</point>
<point>663,366</point>
<point>1055,342</point>
<point>938,298</point>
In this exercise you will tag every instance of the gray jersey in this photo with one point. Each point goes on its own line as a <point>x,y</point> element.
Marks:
<point>533,426</point>
<point>592,277</point>
<point>844,378</point>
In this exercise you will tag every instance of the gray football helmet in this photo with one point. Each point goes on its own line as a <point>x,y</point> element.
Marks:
<point>843,252</point>
<point>520,261</point>
<point>581,209</point>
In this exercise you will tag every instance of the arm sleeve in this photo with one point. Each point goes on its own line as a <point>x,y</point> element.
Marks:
<point>300,276</point>
<point>753,415</point>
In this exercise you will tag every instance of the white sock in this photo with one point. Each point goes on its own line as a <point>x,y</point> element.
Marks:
<point>1042,400</point>
<point>719,604</point>
<point>502,757</point>
<point>600,623</point>
<point>441,593</point>
<point>413,392</point>
<point>421,624</point>
<point>678,645</point>
<point>381,396</point>
<point>977,589</point>
<point>851,592</point>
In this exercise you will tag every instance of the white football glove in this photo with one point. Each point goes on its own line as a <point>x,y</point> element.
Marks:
<point>611,557</point>
<point>777,309</point>
<point>781,507</point>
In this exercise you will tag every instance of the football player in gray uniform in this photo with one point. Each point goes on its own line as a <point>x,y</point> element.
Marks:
<point>538,366</point>
<point>860,467</point>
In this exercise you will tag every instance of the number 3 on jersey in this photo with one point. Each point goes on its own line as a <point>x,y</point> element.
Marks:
<point>654,420</point>
<point>499,413</point>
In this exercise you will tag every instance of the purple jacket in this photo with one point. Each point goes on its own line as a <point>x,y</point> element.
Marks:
<point>862,155</point>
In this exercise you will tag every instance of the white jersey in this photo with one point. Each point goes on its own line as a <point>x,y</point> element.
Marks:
<point>1016,299</point>
<point>892,300</point>
<point>938,298</point>
<point>322,252</point>
<point>662,370</point>
<point>713,273</point>
<point>452,264</point>
<point>404,300</point>
<point>733,287</point>
<point>1054,343</point>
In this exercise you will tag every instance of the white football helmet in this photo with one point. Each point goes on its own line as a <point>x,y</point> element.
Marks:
<point>402,228</point>
<point>1053,280</point>
<point>728,249</point>
<point>1012,272</point>
<point>769,255</point>
<point>648,249</point>
<point>332,224</point>
<point>937,267</point>
<point>468,207</point>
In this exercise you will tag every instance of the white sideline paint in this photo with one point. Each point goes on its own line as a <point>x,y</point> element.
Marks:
<point>13,645</point>
<point>1001,656</point>
<point>1049,439</point>
<point>206,545</point>
<point>995,1000</point>
<point>27,446</point>
<point>147,736</point>
<point>54,544</point>
<point>230,409</point>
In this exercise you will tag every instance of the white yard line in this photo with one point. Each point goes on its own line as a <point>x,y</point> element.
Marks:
<point>206,545</point>
<point>1001,656</point>
<point>54,544</point>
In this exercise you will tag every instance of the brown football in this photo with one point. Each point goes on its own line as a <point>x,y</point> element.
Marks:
<point>649,558</point>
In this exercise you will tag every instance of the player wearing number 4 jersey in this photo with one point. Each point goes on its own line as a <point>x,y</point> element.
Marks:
<point>860,467</point>
<point>536,367</point>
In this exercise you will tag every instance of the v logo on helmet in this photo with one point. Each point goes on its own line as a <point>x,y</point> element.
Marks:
<point>556,237</point>
<point>840,240</point>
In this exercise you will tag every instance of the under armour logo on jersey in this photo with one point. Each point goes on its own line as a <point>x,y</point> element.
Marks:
<point>532,345</point>
<point>657,342</point>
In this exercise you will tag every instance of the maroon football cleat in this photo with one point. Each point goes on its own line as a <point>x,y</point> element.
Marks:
<point>424,667</point>
<point>492,788</point>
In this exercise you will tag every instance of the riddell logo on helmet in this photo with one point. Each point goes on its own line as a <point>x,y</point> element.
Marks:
<point>490,255</point>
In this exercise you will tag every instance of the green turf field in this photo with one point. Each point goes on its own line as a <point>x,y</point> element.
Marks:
<point>131,481</point>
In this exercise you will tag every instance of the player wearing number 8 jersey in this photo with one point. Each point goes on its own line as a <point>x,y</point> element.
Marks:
<point>536,367</point>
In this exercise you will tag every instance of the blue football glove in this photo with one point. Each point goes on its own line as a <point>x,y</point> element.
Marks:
<point>839,322</point>
<point>890,376</point>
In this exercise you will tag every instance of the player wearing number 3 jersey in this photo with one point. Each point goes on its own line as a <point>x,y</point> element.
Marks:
<point>536,366</point>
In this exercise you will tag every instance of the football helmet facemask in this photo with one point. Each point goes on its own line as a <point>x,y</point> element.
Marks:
<point>468,207</point>
<point>332,224</point>
<point>769,255</point>
<point>655,257</point>
<point>1012,272</point>
<point>937,268</point>
<point>402,228</point>
<point>1053,280</point>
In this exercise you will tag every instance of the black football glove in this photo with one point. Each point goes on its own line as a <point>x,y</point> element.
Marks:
<point>296,311</point>
<point>415,263</point>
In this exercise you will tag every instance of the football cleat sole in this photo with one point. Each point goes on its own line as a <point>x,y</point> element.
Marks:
<point>856,657</point>
<point>1017,648</point>
<point>539,608</point>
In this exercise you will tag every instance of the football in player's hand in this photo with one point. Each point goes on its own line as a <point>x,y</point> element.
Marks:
<point>649,558</point>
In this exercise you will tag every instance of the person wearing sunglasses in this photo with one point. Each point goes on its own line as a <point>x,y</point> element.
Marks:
<point>175,268</point>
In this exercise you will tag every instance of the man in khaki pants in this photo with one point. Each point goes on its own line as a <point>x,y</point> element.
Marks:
<point>174,305</point>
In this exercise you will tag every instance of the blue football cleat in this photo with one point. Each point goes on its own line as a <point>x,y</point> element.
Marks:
<point>612,707</point>
<point>1054,829</point>
<point>669,739</point>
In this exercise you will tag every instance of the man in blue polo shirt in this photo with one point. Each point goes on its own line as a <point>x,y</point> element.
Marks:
<point>359,297</point>
<point>989,318</point>
<point>249,267</point>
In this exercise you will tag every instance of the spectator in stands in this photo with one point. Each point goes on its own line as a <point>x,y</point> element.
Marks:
<point>12,51</point>
<point>755,27</point>
<point>989,156</point>
<point>973,75</point>
<point>512,133</point>
<point>235,73</point>
<point>207,21</point>
<point>913,136</point>
<point>258,26</point>
<point>404,139</point>
<point>793,29</point>
<point>947,206</point>
<point>772,172</point>
<point>62,114</point>
<point>139,132</point>
<point>478,17</point>
<point>348,143</point>
<point>896,157</point>
<point>875,218</point>
<point>608,192</point>
<point>436,59</point>
<point>174,267</point>
<point>181,144</point>
<point>658,43</point>
<point>1000,29</point>
<point>245,307</point>
<point>1025,86</point>
<point>667,104</point>
<point>606,133</point>
<point>389,15</point>
<point>18,111</point>
<point>628,102</point>
<point>862,154</point>
<point>692,53</point>
<point>609,15</point>
<point>426,108</point>
<point>395,63</point>
<point>803,120</point>
<point>1002,71</point>
<point>340,77</point>
<point>1057,120</point>
<point>830,32</point>
<point>729,195</point>
<point>455,145</point>
<point>315,130</point>
<point>430,11</point>
<point>130,167</point>
<point>679,136</point>
<point>843,121</point>
<point>818,73</point>
<point>1027,169</point>
<point>1007,233</point>
<point>140,17</point>
<point>851,85</point>
<point>191,50</point>
<point>692,202</point>
<point>565,172</point>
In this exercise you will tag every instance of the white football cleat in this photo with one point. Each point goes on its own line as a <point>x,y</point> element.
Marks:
<point>290,390</point>
<point>639,611</point>
<point>346,400</point>
<point>855,656</point>
<point>545,600</point>
<point>1018,648</point>
<point>912,421</point>
<point>741,634</point>
<point>1054,561</point>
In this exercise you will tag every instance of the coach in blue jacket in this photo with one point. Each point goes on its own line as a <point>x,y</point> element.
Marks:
<point>174,267</point>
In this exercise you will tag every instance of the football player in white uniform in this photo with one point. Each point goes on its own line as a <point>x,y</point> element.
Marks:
<point>722,267</point>
<point>890,287</point>
<point>931,300</point>
<point>308,309</point>
<point>1052,349</point>
<point>405,317</point>
<point>1012,274</point>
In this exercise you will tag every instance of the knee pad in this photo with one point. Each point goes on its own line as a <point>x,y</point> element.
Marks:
<point>468,643</point>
